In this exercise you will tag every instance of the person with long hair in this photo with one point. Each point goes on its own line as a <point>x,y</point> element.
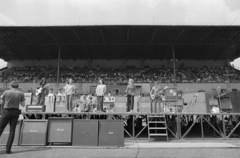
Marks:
<point>130,91</point>
<point>69,90</point>
<point>42,93</point>
<point>100,92</point>
<point>157,99</point>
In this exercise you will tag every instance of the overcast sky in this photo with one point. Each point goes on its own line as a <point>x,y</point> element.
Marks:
<point>119,12</point>
<point>126,12</point>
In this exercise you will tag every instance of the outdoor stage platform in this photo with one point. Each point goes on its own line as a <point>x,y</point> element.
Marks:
<point>179,125</point>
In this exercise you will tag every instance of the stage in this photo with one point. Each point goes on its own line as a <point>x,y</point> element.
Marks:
<point>179,125</point>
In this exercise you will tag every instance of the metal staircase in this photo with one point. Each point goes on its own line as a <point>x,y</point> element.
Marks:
<point>157,126</point>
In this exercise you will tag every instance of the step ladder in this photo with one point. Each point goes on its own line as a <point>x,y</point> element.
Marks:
<point>157,126</point>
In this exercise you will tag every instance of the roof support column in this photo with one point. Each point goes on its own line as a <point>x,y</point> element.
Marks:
<point>174,65</point>
<point>58,65</point>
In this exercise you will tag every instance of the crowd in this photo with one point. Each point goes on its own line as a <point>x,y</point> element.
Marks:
<point>120,75</point>
<point>86,102</point>
<point>23,74</point>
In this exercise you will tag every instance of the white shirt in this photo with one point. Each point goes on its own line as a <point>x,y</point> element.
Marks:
<point>100,90</point>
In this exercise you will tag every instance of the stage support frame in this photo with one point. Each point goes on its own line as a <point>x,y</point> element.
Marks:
<point>217,123</point>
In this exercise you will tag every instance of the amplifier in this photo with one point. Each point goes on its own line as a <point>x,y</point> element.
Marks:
<point>171,94</point>
<point>34,132</point>
<point>111,133</point>
<point>120,107</point>
<point>144,107</point>
<point>59,130</point>
<point>144,104</point>
<point>85,133</point>
<point>35,108</point>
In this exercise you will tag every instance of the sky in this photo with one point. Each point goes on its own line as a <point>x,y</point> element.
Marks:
<point>119,12</point>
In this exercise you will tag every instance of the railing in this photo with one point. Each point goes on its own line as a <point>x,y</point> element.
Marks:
<point>179,125</point>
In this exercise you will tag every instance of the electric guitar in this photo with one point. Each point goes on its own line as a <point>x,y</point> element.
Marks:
<point>38,91</point>
<point>153,96</point>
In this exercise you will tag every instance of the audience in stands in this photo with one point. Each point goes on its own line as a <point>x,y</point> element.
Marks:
<point>119,75</point>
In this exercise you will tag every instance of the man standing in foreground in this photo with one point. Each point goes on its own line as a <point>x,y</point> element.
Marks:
<point>10,111</point>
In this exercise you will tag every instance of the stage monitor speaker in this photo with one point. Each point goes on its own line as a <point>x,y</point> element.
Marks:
<point>85,133</point>
<point>111,133</point>
<point>59,130</point>
<point>34,132</point>
<point>171,94</point>
<point>235,99</point>
<point>5,134</point>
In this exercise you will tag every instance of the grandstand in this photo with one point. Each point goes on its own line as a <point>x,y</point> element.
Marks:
<point>168,54</point>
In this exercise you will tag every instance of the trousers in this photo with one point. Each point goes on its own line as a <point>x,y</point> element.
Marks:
<point>99,103</point>
<point>154,103</point>
<point>130,102</point>
<point>9,116</point>
<point>69,102</point>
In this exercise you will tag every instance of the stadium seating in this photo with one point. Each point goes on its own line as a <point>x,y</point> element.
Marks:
<point>119,75</point>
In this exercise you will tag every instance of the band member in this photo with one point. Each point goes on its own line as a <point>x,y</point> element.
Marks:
<point>42,93</point>
<point>130,95</point>
<point>69,90</point>
<point>100,92</point>
<point>157,99</point>
<point>10,111</point>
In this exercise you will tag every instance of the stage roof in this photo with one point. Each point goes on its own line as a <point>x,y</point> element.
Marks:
<point>119,42</point>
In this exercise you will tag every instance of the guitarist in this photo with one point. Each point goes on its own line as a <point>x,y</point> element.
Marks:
<point>42,94</point>
<point>157,99</point>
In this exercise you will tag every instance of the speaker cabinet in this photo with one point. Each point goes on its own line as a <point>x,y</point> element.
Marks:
<point>5,134</point>
<point>85,133</point>
<point>34,132</point>
<point>59,130</point>
<point>120,104</point>
<point>120,107</point>
<point>144,105</point>
<point>111,133</point>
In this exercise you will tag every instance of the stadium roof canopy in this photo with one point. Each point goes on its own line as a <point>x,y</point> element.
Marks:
<point>119,42</point>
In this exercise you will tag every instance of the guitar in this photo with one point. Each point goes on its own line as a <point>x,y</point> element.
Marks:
<point>153,96</point>
<point>38,91</point>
